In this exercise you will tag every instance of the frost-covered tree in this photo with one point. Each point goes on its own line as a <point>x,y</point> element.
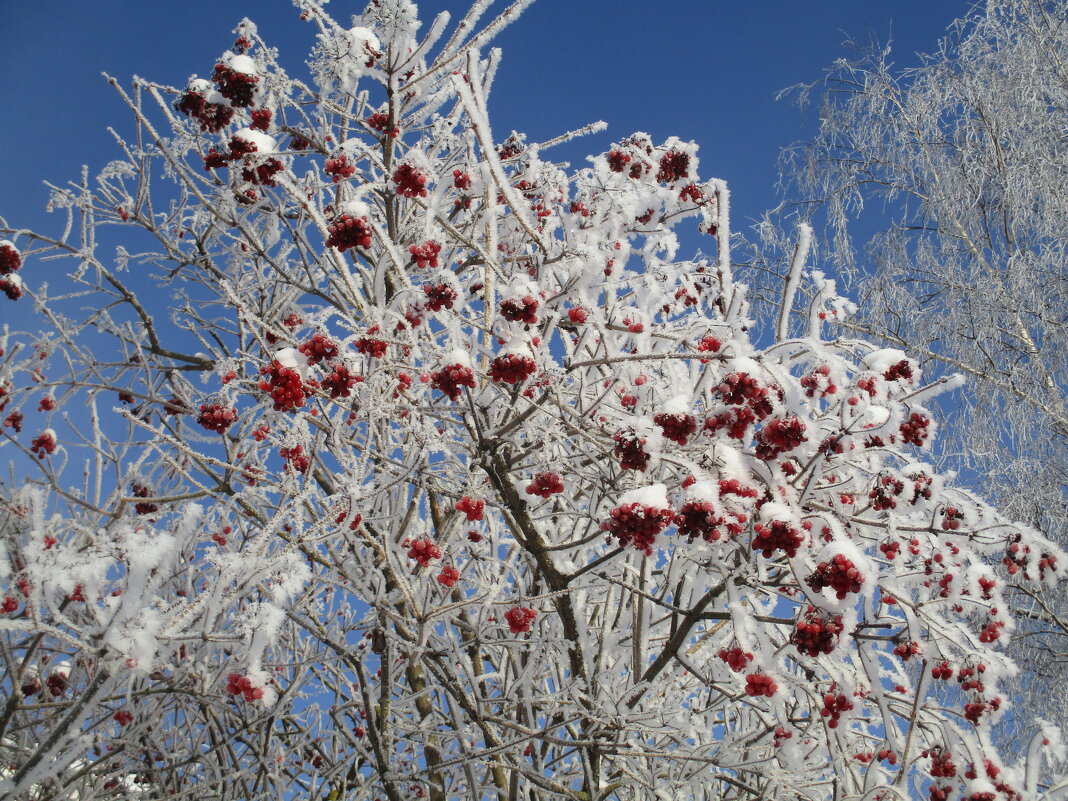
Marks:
<point>368,455</point>
<point>969,270</point>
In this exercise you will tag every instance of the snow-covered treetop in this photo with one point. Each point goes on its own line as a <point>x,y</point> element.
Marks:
<point>441,473</point>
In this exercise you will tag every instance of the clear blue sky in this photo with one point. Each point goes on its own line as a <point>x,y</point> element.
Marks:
<point>706,70</point>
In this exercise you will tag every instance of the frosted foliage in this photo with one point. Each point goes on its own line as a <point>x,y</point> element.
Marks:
<point>423,468</point>
<point>969,275</point>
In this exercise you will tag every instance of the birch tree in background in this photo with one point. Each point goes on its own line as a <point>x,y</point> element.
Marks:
<point>962,166</point>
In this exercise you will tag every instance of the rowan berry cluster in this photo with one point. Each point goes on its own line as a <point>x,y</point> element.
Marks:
<point>451,380</point>
<point>779,435</point>
<point>816,632</point>
<point>262,174</point>
<point>10,258</point>
<point>942,765</point>
<point>237,87</point>
<point>369,346</point>
<point>942,671</point>
<point>143,507</point>
<point>915,430</point>
<point>236,684</point>
<point>340,381</point>
<point>951,518</point>
<point>296,461</point>
<point>735,421</point>
<point>545,484</point>
<point>630,450</point>
<point>737,389</point>
<point>699,519</point>
<point>906,650</point>
<point>261,119</point>
<point>818,384</point>
<point>777,535</point>
<point>348,232</point>
<point>512,368</point>
<point>834,704</point>
<point>448,576</point>
<point>840,574</point>
<point>474,510</point>
<point>319,348</point>
<point>423,550</point>
<point>426,254</point>
<point>676,427</point>
<point>736,659</point>
<point>637,524</point>
<point>44,444</point>
<point>212,117</point>
<point>757,684</point>
<point>520,619</point>
<point>882,494</point>
<point>411,182</point>
<point>215,417</point>
<point>902,370</point>
<point>285,386</point>
<point>520,310</point>
<point>339,168</point>
<point>673,166</point>
<point>439,296</point>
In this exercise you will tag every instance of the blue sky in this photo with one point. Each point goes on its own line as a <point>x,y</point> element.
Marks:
<point>706,70</point>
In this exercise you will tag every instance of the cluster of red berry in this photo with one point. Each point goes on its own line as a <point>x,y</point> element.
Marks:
<point>882,494</point>
<point>475,510</point>
<point>340,381</point>
<point>212,117</point>
<point>451,380</point>
<point>738,389</point>
<point>779,435</point>
<point>44,444</point>
<point>736,659</point>
<point>699,519</point>
<point>448,576</point>
<point>834,704</point>
<point>426,254</point>
<point>818,383</point>
<point>676,427</point>
<point>673,166</point>
<point>915,430</point>
<point>520,310</point>
<point>736,421</point>
<point>545,484</point>
<point>236,684</point>
<point>630,450</point>
<point>758,684</point>
<point>285,386</point>
<point>778,535</point>
<point>348,232</point>
<point>637,524</point>
<point>816,633</point>
<point>439,296</point>
<point>512,368</point>
<point>215,417</point>
<point>296,460</point>
<point>237,87</point>
<point>422,550</point>
<point>339,168</point>
<point>840,574</point>
<point>520,619</point>
<point>318,348</point>
<point>411,182</point>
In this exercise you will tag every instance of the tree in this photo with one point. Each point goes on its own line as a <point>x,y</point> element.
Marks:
<point>968,273</point>
<point>384,459</point>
